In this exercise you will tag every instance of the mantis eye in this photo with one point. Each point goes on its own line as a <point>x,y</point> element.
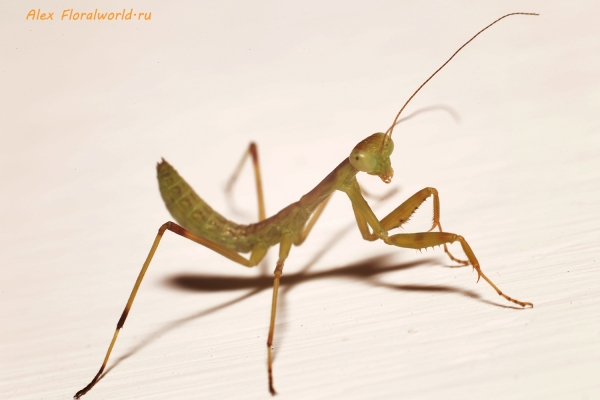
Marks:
<point>363,161</point>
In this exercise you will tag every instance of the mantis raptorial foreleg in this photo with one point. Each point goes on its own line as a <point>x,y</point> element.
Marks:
<point>430,239</point>
<point>365,217</point>
<point>255,257</point>
<point>402,214</point>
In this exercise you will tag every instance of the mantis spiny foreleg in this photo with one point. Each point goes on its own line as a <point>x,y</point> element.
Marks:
<point>365,217</point>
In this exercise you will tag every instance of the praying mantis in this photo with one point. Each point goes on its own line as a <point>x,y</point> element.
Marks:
<point>198,222</point>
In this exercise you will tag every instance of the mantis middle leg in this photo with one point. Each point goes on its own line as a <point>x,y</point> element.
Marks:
<point>284,250</point>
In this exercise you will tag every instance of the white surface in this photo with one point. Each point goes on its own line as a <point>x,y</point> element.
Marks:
<point>88,108</point>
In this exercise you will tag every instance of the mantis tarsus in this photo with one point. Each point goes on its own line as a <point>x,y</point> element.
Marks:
<point>290,226</point>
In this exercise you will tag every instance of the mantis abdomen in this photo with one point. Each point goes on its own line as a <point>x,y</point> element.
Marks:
<point>194,214</point>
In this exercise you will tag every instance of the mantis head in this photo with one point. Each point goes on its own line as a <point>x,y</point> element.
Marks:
<point>372,156</point>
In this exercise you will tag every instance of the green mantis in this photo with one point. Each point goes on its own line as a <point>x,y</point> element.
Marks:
<point>198,222</point>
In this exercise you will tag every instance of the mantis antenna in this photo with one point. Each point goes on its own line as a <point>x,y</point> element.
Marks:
<point>388,133</point>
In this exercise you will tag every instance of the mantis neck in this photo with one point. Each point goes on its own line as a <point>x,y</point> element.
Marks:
<point>343,175</point>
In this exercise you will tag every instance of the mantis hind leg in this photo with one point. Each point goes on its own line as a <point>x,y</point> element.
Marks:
<point>255,258</point>
<point>430,239</point>
<point>253,153</point>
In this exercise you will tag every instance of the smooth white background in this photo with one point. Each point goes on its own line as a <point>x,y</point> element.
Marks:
<point>88,108</point>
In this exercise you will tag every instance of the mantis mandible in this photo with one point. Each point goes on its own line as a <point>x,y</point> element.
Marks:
<point>200,223</point>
